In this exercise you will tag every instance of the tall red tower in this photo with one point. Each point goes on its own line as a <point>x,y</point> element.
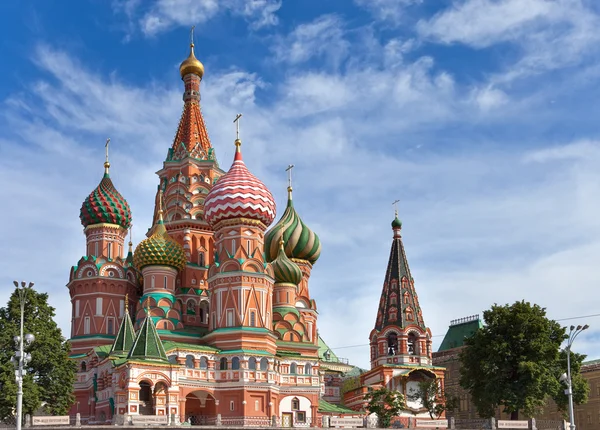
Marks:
<point>400,342</point>
<point>100,281</point>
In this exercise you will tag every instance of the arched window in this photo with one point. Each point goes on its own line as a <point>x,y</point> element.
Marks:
<point>232,246</point>
<point>264,363</point>
<point>412,344</point>
<point>203,363</point>
<point>200,258</point>
<point>173,359</point>
<point>189,361</point>
<point>293,368</point>
<point>252,363</point>
<point>145,391</point>
<point>392,343</point>
<point>191,307</point>
<point>223,364</point>
<point>235,363</point>
<point>308,369</point>
<point>83,366</point>
<point>252,319</point>
<point>295,404</point>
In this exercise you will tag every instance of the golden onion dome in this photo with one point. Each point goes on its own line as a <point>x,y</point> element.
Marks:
<point>191,65</point>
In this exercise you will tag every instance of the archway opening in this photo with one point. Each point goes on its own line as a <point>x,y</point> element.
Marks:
<point>200,408</point>
<point>146,406</point>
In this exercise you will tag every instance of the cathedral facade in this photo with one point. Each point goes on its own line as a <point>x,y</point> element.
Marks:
<point>211,315</point>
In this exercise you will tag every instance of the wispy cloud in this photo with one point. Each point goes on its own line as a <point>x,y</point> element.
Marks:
<point>387,10</point>
<point>162,15</point>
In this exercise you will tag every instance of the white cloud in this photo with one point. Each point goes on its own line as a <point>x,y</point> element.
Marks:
<point>323,37</point>
<point>550,34</point>
<point>165,14</point>
<point>387,10</point>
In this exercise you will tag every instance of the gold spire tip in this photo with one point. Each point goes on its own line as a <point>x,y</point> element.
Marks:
<point>127,303</point>
<point>281,242</point>
<point>160,208</point>
<point>106,163</point>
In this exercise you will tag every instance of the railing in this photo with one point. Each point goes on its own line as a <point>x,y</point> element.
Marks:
<point>8,423</point>
<point>336,360</point>
<point>464,320</point>
<point>472,424</point>
<point>550,424</point>
<point>246,421</point>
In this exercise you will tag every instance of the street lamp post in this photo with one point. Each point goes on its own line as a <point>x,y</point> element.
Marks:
<point>20,359</point>
<point>566,378</point>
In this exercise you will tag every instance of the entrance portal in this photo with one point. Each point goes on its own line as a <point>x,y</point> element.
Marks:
<point>200,408</point>
<point>146,406</point>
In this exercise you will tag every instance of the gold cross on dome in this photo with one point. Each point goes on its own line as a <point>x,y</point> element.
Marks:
<point>395,204</point>
<point>237,126</point>
<point>289,170</point>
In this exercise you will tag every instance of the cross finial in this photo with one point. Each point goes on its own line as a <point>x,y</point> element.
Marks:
<point>395,204</point>
<point>147,308</point>
<point>127,303</point>
<point>106,163</point>
<point>289,171</point>
<point>237,126</point>
<point>130,237</point>
<point>192,36</point>
<point>160,209</point>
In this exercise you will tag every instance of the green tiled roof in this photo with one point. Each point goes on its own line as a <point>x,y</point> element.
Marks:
<point>125,336</point>
<point>147,344</point>
<point>334,409</point>
<point>456,334</point>
<point>170,345</point>
<point>102,351</point>
<point>324,348</point>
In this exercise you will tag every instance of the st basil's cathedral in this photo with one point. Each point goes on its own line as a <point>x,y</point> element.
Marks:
<point>211,317</point>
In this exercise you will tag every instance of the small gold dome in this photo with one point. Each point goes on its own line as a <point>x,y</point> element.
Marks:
<point>191,65</point>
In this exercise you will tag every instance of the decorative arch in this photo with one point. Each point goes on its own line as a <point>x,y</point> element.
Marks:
<point>252,266</point>
<point>230,266</point>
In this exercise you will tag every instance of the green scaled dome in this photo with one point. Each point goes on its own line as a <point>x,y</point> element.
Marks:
<point>396,223</point>
<point>300,241</point>
<point>159,250</point>
<point>285,270</point>
<point>105,205</point>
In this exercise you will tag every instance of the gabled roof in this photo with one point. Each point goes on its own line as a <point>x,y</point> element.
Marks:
<point>458,331</point>
<point>125,337</point>
<point>336,409</point>
<point>147,344</point>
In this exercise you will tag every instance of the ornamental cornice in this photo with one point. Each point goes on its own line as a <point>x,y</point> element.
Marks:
<point>106,225</point>
<point>240,221</point>
<point>239,276</point>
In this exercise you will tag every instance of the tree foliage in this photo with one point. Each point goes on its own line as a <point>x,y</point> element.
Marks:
<point>580,385</point>
<point>513,361</point>
<point>432,398</point>
<point>50,373</point>
<point>386,404</point>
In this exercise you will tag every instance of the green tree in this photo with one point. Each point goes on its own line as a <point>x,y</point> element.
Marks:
<point>513,360</point>
<point>430,395</point>
<point>386,404</point>
<point>50,373</point>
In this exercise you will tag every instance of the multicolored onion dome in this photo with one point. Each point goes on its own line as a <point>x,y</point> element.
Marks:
<point>285,270</point>
<point>159,250</point>
<point>239,194</point>
<point>300,241</point>
<point>105,205</point>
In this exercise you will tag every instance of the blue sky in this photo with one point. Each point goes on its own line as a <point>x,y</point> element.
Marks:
<point>481,116</point>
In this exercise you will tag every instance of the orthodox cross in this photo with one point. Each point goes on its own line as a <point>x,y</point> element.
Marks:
<point>395,204</point>
<point>289,170</point>
<point>106,148</point>
<point>237,126</point>
<point>192,35</point>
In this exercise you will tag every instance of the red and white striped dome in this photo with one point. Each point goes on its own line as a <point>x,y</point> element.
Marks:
<point>239,194</point>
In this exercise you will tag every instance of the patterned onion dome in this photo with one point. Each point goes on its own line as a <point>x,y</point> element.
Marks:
<point>159,249</point>
<point>105,205</point>
<point>300,241</point>
<point>239,194</point>
<point>285,270</point>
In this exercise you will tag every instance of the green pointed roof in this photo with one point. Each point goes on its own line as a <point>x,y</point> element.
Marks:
<point>300,241</point>
<point>147,344</point>
<point>459,330</point>
<point>125,336</point>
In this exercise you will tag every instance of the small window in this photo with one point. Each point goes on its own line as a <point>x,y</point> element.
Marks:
<point>203,363</point>
<point>83,366</point>
<point>248,244</point>
<point>110,326</point>
<point>252,319</point>
<point>201,258</point>
<point>252,363</point>
<point>295,404</point>
<point>165,284</point>
<point>96,249</point>
<point>300,417</point>
<point>76,308</point>
<point>229,317</point>
<point>235,363</point>
<point>109,250</point>
<point>223,364</point>
<point>308,369</point>
<point>264,364</point>
<point>152,284</point>
<point>173,359</point>
<point>231,405</point>
<point>189,361</point>
<point>86,325</point>
<point>98,305</point>
<point>293,368</point>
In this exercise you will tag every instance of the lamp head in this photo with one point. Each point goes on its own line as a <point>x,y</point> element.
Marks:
<point>572,328</point>
<point>17,339</point>
<point>16,284</point>
<point>29,338</point>
<point>585,327</point>
<point>563,377</point>
<point>578,327</point>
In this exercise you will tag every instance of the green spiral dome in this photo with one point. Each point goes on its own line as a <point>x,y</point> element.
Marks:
<point>300,241</point>
<point>285,270</point>
<point>159,250</point>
